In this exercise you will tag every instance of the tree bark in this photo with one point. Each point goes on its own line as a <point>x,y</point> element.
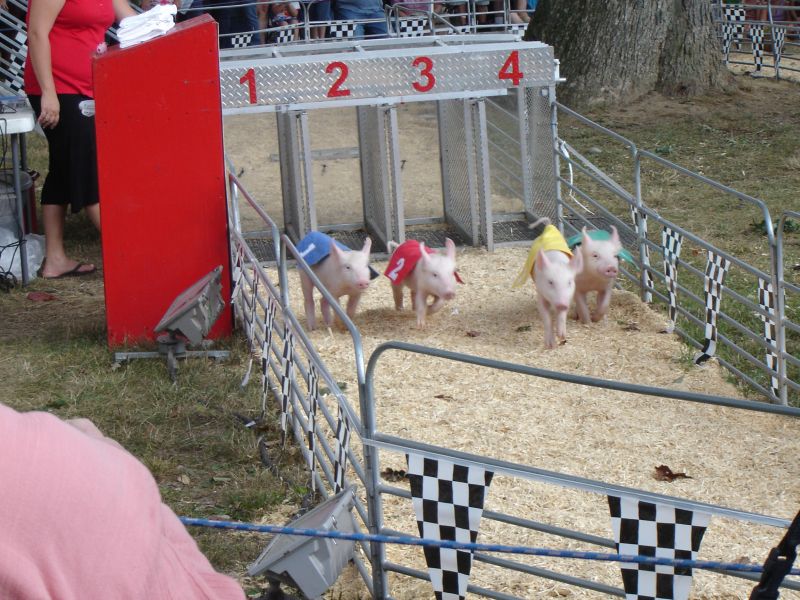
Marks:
<point>619,50</point>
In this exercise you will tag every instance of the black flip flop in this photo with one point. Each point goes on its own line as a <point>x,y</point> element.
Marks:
<point>75,272</point>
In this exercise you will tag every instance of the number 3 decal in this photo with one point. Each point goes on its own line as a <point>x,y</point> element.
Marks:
<point>396,271</point>
<point>336,89</point>
<point>426,72</point>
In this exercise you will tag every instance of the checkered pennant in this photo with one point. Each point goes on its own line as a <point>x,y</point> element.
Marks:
<point>342,30</point>
<point>648,529</point>
<point>238,278</point>
<point>734,21</point>
<point>250,330</point>
<point>285,34</point>
<point>757,38</point>
<point>671,242</point>
<point>518,28</point>
<point>16,62</point>
<point>311,430</point>
<point>639,218</point>
<point>287,368</point>
<point>766,300</point>
<point>448,503</point>
<point>778,38</point>
<point>241,40</point>
<point>412,27</point>
<point>716,268</point>
<point>266,350</point>
<point>342,448</point>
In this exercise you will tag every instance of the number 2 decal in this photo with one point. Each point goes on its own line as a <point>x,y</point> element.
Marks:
<point>426,72</point>
<point>396,271</point>
<point>336,89</point>
<point>510,69</point>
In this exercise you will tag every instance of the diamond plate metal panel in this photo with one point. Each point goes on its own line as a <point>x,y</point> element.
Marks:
<point>371,76</point>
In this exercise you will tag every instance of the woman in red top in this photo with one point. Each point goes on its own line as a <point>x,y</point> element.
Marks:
<point>63,35</point>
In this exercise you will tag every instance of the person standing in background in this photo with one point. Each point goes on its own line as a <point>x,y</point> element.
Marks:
<point>63,35</point>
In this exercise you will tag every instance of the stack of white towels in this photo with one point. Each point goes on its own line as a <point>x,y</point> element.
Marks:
<point>147,25</point>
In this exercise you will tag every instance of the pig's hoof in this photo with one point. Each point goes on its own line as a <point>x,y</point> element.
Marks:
<point>597,318</point>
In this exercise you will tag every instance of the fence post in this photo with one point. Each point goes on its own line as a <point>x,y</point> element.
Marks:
<point>776,254</point>
<point>644,255</point>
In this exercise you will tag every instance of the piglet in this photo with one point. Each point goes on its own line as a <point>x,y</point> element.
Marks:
<point>553,268</point>
<point>425,272</point>
<point>600,269</point>
<point>343,272</point>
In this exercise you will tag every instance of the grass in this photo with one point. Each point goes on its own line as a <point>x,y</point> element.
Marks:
<point>54,355</point>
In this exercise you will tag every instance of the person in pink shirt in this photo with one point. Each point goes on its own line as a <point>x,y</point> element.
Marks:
<point>82,519</point>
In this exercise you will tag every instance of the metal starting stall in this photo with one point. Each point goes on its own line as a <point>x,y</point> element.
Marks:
<point>458,73</point>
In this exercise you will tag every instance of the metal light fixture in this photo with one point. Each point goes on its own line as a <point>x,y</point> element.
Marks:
<point>310,564</point>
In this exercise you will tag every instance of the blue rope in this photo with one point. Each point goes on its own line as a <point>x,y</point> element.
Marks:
<point>412,541</point>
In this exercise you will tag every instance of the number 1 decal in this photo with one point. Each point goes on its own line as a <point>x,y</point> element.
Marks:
<point>250,78</point>
<point>426,72</point>
<point>510,69</point>
<point>336,89</point>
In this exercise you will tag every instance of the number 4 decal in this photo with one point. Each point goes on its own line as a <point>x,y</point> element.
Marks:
<point>510,69</point>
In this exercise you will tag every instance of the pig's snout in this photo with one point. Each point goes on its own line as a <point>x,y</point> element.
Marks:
<point>449,295</point>
<point>363,284</point>
<point>611,271</point>
<point>561,306</point>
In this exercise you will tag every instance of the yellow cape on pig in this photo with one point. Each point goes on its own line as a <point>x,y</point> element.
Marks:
<point>551,239</point>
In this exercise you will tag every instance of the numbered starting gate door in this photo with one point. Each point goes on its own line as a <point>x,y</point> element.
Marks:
<point>374,76</point>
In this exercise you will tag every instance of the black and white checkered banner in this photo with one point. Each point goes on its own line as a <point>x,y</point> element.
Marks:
<point>266,350</point>
<point>766,300</point>
<point>778,40</point>
<point>448,502</point>
<point>241,40</point>
<point>287,368</point>
<point>412,27</point>
<point>250,329</point>
<point>342,448</point>
<point>285,34</point>
<point>716,268</point>
<point>342,30</point>
<point>311,429</point>
<point>732,29</point>
<point>16,62</point>
<point>517,28</point>
<point>238,278</point>
<point>757,40</point>
<point>639,218</point>
<point>671,242</point>
<point>647,529</point>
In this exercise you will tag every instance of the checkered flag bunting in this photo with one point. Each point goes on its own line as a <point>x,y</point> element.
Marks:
<point>518,28</point>
<point>241,40</point>
<point>647,529</point>
<point>287,368</point>
<point>733,28</point>
<point>342,30</point>
<point>766,300</point>
<point>448,502</point>
<point>778,39</point>
<point>16,62</point>
<point>716,268</point>
<point>266,350</point>
<point>671,242</point>
<point>311,431</point>
<point>639,218</point>
<point>250,330</point>
<point>412,27</point>
<point>284,34</point>
<point>342,448</point>
<point>757,39</point>
<point>238,278</point>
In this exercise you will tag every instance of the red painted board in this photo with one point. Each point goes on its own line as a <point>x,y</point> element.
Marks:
<point>162,176</point>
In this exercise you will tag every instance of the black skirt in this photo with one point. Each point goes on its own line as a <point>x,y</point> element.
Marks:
<point>72,167</point>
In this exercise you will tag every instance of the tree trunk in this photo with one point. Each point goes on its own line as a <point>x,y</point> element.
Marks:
<point>619,50</point>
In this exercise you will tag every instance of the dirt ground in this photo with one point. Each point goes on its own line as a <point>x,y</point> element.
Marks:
<point>734,459</point>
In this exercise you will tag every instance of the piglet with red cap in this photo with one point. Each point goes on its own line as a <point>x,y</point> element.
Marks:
<point>425,272</point>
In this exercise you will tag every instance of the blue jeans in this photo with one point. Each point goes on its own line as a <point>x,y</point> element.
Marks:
<point>352,13</point>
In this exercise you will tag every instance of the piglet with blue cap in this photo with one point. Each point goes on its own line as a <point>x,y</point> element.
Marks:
<point>342,271</point>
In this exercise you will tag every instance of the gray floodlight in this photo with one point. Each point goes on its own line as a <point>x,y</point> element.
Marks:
<point>188,319</point>
<point>311,564</point>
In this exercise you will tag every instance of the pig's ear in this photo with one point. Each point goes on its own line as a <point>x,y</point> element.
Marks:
<point>585,239</point>
<point>576,262</point>
<point>423,253</point>
<point>367,246</point>
<point>337,253</point>
<point>541,260</point>
<point>615,238</point>
<point>450,249</point>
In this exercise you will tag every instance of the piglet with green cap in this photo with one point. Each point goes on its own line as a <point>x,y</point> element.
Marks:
<point>601,252</point>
